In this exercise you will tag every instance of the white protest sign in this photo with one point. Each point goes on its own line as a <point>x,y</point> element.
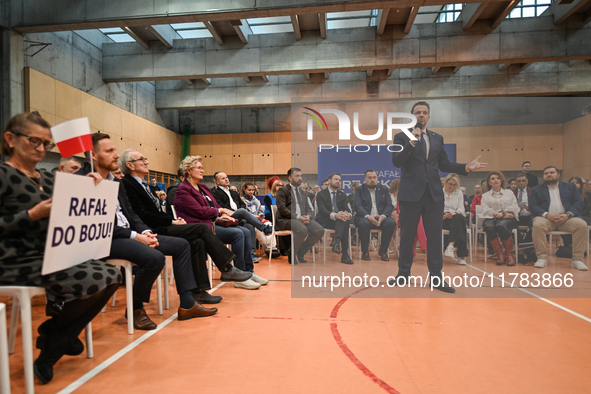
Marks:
<point>80,223</point>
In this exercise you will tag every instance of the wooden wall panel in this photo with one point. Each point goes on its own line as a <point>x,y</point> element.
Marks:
<point>222,162</point>
<point>281,163</point>
<point>202,145</point>
<point>242,144</point>
<point>262,143</point>
<point>42,83</point>
<point>222,144</point>
<point>262,163</point>
<point>68,101</point>
<point>242,163</point>
<point>93,109</point>
<point>112,119</point>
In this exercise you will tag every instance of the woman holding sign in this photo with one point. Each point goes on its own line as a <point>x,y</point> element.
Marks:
<point>25,204</point>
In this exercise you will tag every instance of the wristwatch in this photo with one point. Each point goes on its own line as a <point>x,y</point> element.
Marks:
<point>570,215</point>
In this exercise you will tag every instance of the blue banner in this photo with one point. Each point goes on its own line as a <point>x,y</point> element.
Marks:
<point>351,161</point>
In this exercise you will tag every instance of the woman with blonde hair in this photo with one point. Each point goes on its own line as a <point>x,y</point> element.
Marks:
<point>454,220</point>
<point>500,211</point>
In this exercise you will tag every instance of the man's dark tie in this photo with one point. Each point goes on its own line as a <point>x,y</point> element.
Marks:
<point>334,202</point>
<point>424,143</point>
<point>520,197</point>
<point>299,201</point>
<point>155,199</point>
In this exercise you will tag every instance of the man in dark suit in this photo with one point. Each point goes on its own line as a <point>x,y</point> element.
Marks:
<point>421,194</point>
<point>134,241</point>
<point>203,242</point>
<point>522,192</point>
<point>373,207</point>
<point>334,214</point>
<point>171,192</point>
<point>557,205</point>
<point>296,217</point>
<point>231,200</point>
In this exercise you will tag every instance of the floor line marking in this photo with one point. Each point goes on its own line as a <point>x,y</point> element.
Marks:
<point>105,364</point>
<point>539,297</point>
<point>339,340</point>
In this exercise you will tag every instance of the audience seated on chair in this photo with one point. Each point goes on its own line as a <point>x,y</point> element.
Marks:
<point>454,220</point>
<point>195,203</point>
<point>254,206</point>
<point>231,201</point>
<point>500,210</point>
<point>334,214</point>
<point>558,205</point>
<point>522,192</point>
<point>134,241</point>
<point>373,207</point>
<point>201,240</point>
<point>69,165</point>
<point>284,241</point>
<point>26,194</point>
<point>294,214</point>
<point>532,180</point>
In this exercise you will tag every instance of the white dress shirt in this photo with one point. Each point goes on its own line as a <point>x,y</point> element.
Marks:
<point>524,201</point>
<point>232,202</point>
<point>454,203</point>
<point>496,202</point>
<point>555,201</point>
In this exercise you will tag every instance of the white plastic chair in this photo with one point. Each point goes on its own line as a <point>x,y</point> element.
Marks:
<point>128,265</point>
<point>479,230</point>
<point>4,371</point>
<point>559,232</point>
<point>21,303</point>
<point>279,233</point>
<point>372,231</point>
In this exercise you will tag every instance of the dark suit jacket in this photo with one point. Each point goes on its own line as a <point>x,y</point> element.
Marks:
<point>362,201</point>
<point>285,209</point>
<point>539,199</point>
<point>222,198</point>
<point>192,206</point>
<point>170,192</point>
<point>325,207</point>
<point>135,222</point>
<point>418,172</point>
<point>144,207</point>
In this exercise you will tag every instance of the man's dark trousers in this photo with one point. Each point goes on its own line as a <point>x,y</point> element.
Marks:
<point>410,214</point>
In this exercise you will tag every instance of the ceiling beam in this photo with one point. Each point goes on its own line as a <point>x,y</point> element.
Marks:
<point>136,37</point>
<point>92,14</point>
<point>471,12</point>
<point>296,27</point>
<point>521,41</point>
<point>242,29</point>
<point>326,75</point>
<point>411,19</point>
<point>247,79</point>
<point>381,20</point>
<point>474,81</point>
<point>207,81</point>
<point>564,11</point>
<point>165,34</point>
<point>214,32</point>
<point>322,23</point>
<point>501,17</point>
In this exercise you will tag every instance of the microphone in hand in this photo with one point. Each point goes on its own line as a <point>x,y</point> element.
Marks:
<point>418,129</point>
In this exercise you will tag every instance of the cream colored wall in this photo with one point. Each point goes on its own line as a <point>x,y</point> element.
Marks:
<point>58,102</point>
<point>577,148</point>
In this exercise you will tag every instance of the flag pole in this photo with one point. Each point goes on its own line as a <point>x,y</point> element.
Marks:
<point>91,165</point>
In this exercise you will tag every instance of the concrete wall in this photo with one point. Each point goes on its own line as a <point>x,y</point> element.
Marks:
<point>461,112</point>
<point>75,58</point>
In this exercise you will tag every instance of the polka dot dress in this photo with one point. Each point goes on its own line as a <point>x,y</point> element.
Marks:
<point>22,243</point>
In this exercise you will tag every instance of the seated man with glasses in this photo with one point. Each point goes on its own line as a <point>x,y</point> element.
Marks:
<point>202,241</point>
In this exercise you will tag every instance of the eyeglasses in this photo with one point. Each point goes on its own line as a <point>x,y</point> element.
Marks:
<point>142,159</point>
<point>37,142</point>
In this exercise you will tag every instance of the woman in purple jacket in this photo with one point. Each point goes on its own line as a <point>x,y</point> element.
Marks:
<point>195,203</point>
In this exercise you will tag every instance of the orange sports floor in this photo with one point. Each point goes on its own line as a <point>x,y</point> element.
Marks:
<point>265,341</point>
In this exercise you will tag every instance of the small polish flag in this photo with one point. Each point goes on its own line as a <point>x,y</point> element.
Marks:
<point>72,137</point>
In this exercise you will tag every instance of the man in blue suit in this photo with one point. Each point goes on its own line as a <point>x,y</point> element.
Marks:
<point>421,194</point>
<point>373,206</point>
<point>557,205</point>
